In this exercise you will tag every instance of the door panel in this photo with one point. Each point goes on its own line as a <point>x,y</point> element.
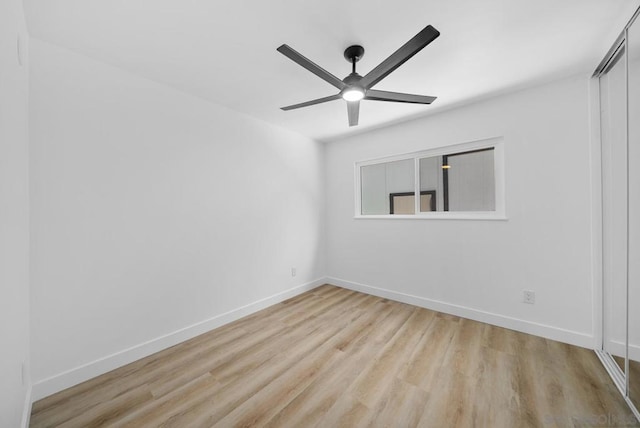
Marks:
<point>613,100</point>
<point>633,44</point>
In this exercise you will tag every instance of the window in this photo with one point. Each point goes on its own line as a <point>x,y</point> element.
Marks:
<point>462,181</point>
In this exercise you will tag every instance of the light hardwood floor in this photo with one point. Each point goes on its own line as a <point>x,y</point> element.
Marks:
<point>634,382</point>
<point>334,357</point>
<point>634,378</point>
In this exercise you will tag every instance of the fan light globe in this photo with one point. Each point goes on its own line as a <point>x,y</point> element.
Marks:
<point>353,94</point>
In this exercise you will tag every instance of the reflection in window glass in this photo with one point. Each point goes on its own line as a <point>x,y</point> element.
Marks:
<point>469,182</point>
<point>431,182</point>
<point>381,180</point>
<point>459,181</point>
<point>402,203</point>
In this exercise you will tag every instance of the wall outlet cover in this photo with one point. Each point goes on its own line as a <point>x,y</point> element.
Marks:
<point>529,296</point>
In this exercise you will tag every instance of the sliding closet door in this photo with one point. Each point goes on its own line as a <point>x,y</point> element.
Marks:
<point>633,58</point>
<point>613,101</point>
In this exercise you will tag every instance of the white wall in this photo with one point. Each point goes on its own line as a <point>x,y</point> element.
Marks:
<point>480,268</point>
<point>14,215</point>
<point>154,211</point>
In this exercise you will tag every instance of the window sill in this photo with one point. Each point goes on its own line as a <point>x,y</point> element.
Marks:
<point>436,216</point>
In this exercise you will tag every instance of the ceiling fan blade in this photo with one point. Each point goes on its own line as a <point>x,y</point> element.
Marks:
<point>399,57</point>
<point>375,95</point>
<point>312,102</point>
<point>311,66</point>
<point>353,108</point>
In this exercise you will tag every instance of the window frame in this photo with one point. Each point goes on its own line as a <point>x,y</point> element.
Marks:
<point>496,143</point>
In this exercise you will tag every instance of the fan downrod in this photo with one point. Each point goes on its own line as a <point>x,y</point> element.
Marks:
<point>353,54</point>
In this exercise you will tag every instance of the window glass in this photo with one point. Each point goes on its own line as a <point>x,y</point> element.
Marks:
<point>461,179</point>
<point>431,184</point>
<point>469,183</point>
<point>379,184</point>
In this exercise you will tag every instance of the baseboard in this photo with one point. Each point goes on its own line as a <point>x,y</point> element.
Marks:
<point>103,365</point>
<point>546,331</point>
<point>615,347</point>
<point>26,410</point>
<point>634,352</point>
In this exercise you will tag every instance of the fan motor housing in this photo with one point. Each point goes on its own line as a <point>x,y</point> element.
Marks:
<point>353,79</point>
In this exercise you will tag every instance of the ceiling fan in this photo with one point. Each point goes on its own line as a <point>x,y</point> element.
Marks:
<point>355,87</point>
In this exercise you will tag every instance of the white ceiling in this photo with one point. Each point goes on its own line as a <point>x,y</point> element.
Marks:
<point>225,50</point>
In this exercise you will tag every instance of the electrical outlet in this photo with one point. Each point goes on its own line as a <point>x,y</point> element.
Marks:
<point>293,271</point>
<point>529,296</point>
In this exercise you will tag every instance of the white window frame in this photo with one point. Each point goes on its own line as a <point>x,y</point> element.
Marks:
<point>496,143</point>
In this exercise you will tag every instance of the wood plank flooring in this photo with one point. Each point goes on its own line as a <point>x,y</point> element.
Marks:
<point>333,357</point>
<point>634,378</point>
<point>634,382</point>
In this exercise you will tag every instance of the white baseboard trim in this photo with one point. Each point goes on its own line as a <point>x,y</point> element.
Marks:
<point>56,383</point>
<point>618,348</point>
<point>546,331</point>
<point>634,352</point>
<point>26,410</point>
